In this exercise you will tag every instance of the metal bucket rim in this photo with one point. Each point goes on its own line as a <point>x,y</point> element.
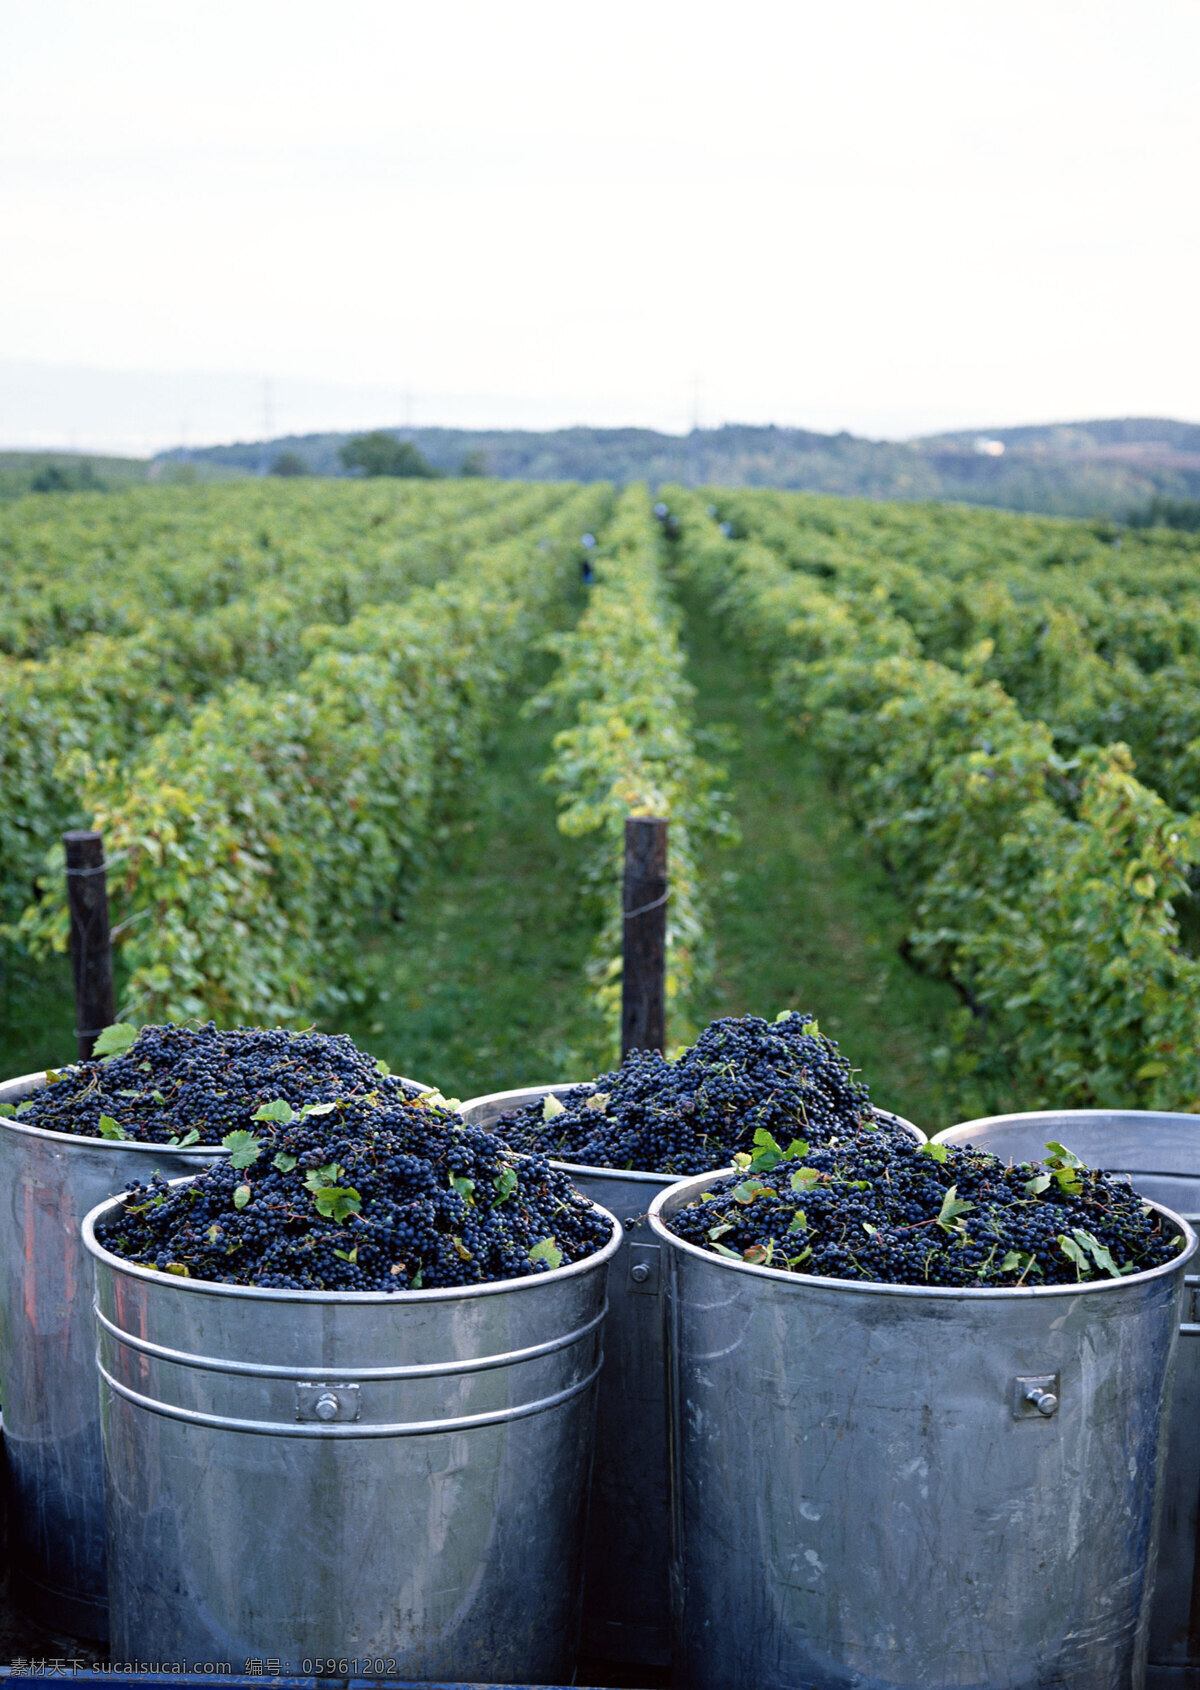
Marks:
<point>638,1176</point>
<point>270,1293</point>
<point>982,1123</point>
<point>52,1136</point>
<point>684,1189</point>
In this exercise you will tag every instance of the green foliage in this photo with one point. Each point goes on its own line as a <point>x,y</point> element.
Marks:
<point>289,463</point>
<point>256,838</point>
<point>123,616</point>
<point>380,453</point>
<point>631,752</point>
<point>1046,885</point>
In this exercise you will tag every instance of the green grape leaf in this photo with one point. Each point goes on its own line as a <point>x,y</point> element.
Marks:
<point>316,1179</point>
<point>767,1153</point>
<point>551,1107</point>
<point>244,1149</point>
<point>547,1251</point>
<point>115,1040</point>
<point>1038,1184</point>
<point>938,1152</point>
<point>241,1196</point>
<point>804,1179</point>
<point>465,1187</point>
<point>280,1110</point>
<point>110,1128</point>
<point>284,1162</point>
<point>505,1183</point>
<point>952,1211</point>
<point>1072,1251</point>
<point>337,1202</point>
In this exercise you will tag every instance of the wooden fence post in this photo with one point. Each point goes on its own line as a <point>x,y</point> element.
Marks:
<point>91,946</point>
<point>644,951</point>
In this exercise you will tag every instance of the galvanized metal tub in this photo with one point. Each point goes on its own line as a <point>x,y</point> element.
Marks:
<point>48,1182</point>
<point>626,1591</point>
<point>312,1475</point>
<point>1160,1153</point>
<point>867,1497</point>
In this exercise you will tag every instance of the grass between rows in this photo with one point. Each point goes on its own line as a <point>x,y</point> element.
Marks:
<point>803,915</point>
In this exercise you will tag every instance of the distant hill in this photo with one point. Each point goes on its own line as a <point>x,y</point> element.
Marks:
<point>1104,468</point>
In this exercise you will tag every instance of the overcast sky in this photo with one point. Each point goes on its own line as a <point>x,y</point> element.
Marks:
<point>885,215</point>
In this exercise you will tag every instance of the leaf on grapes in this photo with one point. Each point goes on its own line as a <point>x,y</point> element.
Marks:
<point>795,1149</point>
<point>871,1231</point>
<point>804,1179</point>
<point>1061,1157</point>
<point>53,1076</point>
<point>8,1110</point>
<point>767,1153</point>
<point>158,1097</point>
<point>938,1152</point>
<point>724,1250</point>
<point>741,1159</point>
<point>1037,1184</point>
<point>337,1202</point>
<point>599,1101</point>
<point>350,1256</point>
<point>316,1109</point>
<point>417,1280</point>
<point>25,1107</point>
<point>381,1067</point>
<point>551,1107</point>
<point>316,1179</point>
<point>505,1184</point>
<point>115,1040</point>
<point>241,1196</point>
<point>952,1211</point>
<point>280,1110</point>
<point>244,1149</point>
<point>110,1128</point>
<point>464,1187</point>
<point>284,1162</point>
<point>461,1247</point>
<point>547,1251</point>
<point>749,1189</point>
<point>720,1230</point>
<point>180,1268</point>
<point>1072,1251</point>
<point>798,1222</point>
<point>214,1232</point>
<point>1099,1254</point>
<point>760,1255</point>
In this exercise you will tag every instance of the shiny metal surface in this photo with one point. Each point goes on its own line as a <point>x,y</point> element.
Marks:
<point>626,1595</point>
<point>1161,1155</point>
<point>48,1182</point>
<point>857,1506</point>
<point>433,1516</point>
